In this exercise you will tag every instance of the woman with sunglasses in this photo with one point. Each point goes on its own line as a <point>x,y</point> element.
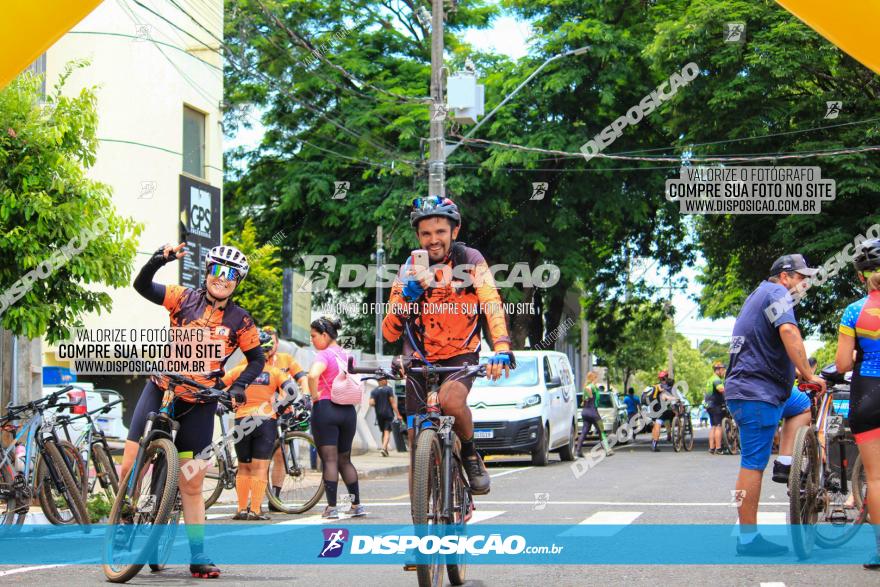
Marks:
<point>208,307</point>
<point>333,425</point>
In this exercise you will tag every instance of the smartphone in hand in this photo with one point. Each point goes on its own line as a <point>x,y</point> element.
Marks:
<point>419,259</point>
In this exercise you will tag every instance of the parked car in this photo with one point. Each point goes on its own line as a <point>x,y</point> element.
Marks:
<point>110,423</point>
<point>612,410</point>
<point>533,411</point>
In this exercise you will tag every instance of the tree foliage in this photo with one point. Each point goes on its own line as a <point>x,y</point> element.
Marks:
<point>60,235</point>
<point>261,292</point>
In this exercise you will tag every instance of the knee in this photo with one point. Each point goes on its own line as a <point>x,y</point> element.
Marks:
<point>192,485</point>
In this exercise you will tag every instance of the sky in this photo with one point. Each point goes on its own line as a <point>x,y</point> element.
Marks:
<point>510,36</point>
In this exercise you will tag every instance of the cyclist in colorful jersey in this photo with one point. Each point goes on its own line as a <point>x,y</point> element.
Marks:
<point>289,365</point>
<point>452,337</point>
<point>858,349</point>
<point>662,395</point>
<point>209,307</point>
<point>270,393</point>
<point>714,402</point>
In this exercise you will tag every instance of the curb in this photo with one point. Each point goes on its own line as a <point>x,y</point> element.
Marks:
<point>383,472</point>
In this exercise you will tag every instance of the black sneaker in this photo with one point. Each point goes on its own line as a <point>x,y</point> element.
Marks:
<point>272,508</point>
<point>202,568</point>
<point>873,564</point>
<point>655,447</point>
<point>712,451</point>
<point>760,547</point>
<point>478,477</point>
<point>781,472</point>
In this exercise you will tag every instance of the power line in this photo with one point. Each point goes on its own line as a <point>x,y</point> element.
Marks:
<point>682,160</point>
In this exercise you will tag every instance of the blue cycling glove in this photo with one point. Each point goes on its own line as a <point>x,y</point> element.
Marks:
<point>503,358</point>
<point>412,290</point>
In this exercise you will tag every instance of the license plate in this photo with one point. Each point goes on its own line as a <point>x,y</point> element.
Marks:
<point>841,406</point>
<point>484,434</point>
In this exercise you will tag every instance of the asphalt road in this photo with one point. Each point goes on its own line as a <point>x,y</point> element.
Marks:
<point>634,486</point>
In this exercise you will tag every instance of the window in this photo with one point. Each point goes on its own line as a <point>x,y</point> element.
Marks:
<point>193,142</point>
<point>525,375</point>
<point>548,375</point>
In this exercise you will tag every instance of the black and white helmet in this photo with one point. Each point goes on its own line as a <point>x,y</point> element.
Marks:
<point>229,256</point>
<point>867,257</point>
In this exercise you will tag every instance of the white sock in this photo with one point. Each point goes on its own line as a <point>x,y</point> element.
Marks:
<point>783,460</point>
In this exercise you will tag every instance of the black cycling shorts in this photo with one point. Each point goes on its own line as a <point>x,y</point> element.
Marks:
<point>196,420</point>
<point>259,443</point>
<point>416,386</point>
<point>334,424</point>
<point>864,403</point>
<point>715,416</point>
<point>384,424</point>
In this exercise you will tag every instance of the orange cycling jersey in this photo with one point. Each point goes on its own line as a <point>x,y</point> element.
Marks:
<point>286,363</point>
<point>232,325</point>
<point>445,322</point>
<point>260,393</point>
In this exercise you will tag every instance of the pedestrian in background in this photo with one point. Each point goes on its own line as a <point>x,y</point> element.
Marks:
<point>333,425</point>
<point>384,403</point>
<point>590,414</point>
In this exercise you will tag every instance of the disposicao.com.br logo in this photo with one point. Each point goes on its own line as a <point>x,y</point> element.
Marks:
<point>449,544</point>
<point>334,541</point>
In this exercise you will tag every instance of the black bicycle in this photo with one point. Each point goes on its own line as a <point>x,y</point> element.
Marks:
<point>145,515</point>
<point>826,506</point>
<point>441,495</point>
<point>682,428</point>
<point>295,466</point>
<point>93,447</point>
<point>729,432</point>
<point>223,469</point>
<point>56,471</point>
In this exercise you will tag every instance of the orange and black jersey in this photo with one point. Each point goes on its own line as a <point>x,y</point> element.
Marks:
<point>445,322</point>
<point>263,394</point>
<point>288,364</point>
<point>191,308</point>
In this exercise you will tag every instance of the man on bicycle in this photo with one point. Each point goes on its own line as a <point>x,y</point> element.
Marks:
<point>450,337</point>
<point>208,307</point>
<point>765,348</point>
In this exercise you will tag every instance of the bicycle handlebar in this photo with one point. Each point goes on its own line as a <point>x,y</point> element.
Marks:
<point>201,391</point>
<point>13,411</point>
<point>425,368</point>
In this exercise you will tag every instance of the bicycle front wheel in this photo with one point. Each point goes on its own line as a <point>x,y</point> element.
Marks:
<point>427,499</point>
<point>688,434</point>
<point>677,433</point>
<point>803,489</point>
<point>859,484</point>
<point>8,508</point>
<point>296,486</point>
<point>730,435</point>
<point>63,503</point>
<point>461,508</point>
<point>145,500</point>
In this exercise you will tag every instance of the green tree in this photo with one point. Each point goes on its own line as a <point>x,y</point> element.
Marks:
<point>826,353</point>
<point>261,293</point>
<point>340,87</point>
<point>60,235</point>
<point>712,350</point>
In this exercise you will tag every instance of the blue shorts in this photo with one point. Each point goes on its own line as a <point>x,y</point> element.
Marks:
<point>798,403</point>
<point>757,423</point>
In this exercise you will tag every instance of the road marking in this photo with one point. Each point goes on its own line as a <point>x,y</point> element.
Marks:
<point>481,516</point>
<point>308,520</point>
<point>604,523</point>
<point>776,584</point>
<point>511,471</point>
<point>611,518</point>
<point>29,569</point>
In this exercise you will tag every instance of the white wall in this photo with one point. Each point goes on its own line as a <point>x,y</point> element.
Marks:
<point>143,84</point>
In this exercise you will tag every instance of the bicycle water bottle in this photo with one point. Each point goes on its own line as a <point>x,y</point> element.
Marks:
<point>19,458</point>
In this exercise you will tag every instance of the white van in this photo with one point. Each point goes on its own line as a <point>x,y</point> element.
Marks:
<point>533,411</point>
<point>110,423</point>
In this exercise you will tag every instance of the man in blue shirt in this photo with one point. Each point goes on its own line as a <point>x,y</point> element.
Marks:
<point>631,402</point>
<point>765,348</point>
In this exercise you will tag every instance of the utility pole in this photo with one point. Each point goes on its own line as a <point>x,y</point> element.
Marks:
<point>436,143</point>
<point>380,259</point>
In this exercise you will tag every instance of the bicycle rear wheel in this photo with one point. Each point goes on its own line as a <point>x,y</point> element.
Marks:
<point>105,469</point>
<point>803,488</point>
<point>52,503</point>
<point>62,504</point>
<point>213,484</point>
<point>145,500</point>
<point>427,499</point>
<point>730,435</point>
<point>859,484</point>
<point>303,486</point>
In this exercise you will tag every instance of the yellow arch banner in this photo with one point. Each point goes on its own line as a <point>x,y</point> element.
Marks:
<point>28,28</point>
<point>852,25</point>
